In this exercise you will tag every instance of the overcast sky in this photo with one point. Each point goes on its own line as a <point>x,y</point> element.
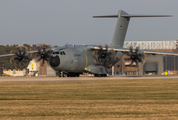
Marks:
<point>58,22</point>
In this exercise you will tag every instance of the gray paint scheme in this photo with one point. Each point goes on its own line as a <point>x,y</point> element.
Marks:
<point>78,59</point>
<point>120,30</point>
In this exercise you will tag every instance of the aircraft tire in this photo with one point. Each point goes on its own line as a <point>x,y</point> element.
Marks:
<point>59,74</point>
<point>96,75</point>
<point>100,75</point>
<point>63,75</point>
<point>73,75</point>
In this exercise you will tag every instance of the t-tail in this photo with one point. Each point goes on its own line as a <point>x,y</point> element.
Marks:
<point>122,25</point>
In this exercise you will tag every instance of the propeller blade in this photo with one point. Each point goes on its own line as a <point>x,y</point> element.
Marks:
<point>95,61</point>
<point>15,58</point>
<point>44,50</point>
<point>20,59</point>
<point>131,49</point>
<point>45,59</point>
<point>106,46</point>
<point>94,52</point>
<point>20,52</point>
<point>39,59</point>
<point>26,57</point>
<point>21,63</point>
<point>42,63</point>
<point>136,56</point>
<point>16,54</point>
<point>24,53</point>
<point>39,51</point>
<point>100,51</point>
<point>136,63</point>
<point>127,59</point>
<point>104,55</point>
<point>43,53</point>
<point>136,50</point>
<point>11,61</point>
<point>143,62</point>
<point>131,62</point>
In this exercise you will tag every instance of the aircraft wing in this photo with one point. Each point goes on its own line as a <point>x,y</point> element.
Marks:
<point>127,50</point>
<point>31,52</point>
<point>5,55</point>
<point>124,50</point>
<point>28,52</point>
<point>158,52</point>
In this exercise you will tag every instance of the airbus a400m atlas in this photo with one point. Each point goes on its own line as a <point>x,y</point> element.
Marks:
<point>74,60</point>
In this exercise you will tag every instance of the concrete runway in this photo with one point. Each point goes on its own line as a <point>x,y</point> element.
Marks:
<point>83,78</point>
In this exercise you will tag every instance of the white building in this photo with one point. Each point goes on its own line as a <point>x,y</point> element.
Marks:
<point>33,68</point>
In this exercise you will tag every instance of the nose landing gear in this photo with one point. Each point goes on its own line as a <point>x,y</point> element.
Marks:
<point>62,74</point>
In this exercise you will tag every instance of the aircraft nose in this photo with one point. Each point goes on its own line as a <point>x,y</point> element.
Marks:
<point>54,61</point>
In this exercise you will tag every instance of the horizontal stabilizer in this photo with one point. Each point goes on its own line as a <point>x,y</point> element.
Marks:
<point>146,15</point>
<point>128,16</point>
<point>123,19</point>
<point>107,16</point>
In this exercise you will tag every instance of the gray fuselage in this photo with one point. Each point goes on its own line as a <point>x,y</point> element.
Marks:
<point>75,59</point>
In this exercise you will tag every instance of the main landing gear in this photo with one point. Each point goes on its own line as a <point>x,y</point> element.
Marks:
<point>100,75</point>
<point>63,74</point>
<point>73,75</point>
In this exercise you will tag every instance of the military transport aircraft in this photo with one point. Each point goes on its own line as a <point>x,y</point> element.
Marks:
<point>73,60</point>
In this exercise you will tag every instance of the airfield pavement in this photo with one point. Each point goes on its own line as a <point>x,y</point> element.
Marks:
<point>82,78</point>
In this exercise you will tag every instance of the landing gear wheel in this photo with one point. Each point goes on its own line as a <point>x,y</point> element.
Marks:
<point>96,75</point>
<point>77,75</point>
<point>61,74</point>
<point>100,75</point>
<point>73,74</point>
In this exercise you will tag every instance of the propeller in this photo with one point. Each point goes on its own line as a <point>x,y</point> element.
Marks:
<point>43,53</point>
<point>104,56</point>
<point>135,56</point>
<point>20,57</point>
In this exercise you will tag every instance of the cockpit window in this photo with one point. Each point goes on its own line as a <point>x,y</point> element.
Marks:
<point>55,52</point>
<point>62,53</point>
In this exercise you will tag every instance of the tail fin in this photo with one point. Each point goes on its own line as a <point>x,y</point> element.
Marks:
<point>122,25</point>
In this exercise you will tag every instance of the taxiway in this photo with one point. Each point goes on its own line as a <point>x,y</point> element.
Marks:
<point>83,78</point>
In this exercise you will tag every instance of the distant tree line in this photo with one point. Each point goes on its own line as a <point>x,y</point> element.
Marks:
<point>5,61</point>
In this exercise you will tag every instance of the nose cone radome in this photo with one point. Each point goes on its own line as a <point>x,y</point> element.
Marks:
<point>54,61</point>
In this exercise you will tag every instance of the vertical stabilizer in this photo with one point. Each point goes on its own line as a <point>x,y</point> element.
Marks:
<point>120,30</point>
<point>122,25</point>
